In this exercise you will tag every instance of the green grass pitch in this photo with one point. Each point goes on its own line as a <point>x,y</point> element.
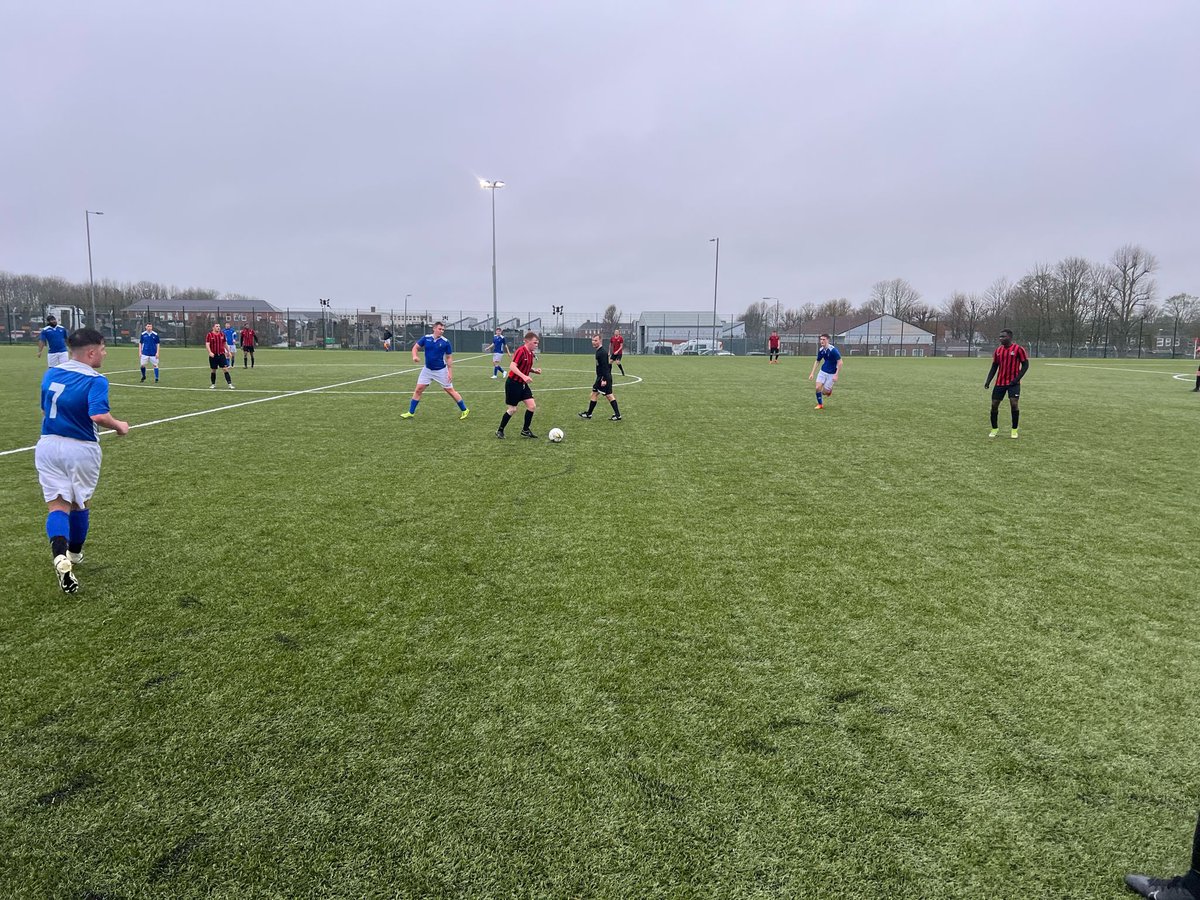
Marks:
<point>728,647</point>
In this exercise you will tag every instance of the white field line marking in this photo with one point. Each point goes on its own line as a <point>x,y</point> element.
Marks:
<point>1115,369</point>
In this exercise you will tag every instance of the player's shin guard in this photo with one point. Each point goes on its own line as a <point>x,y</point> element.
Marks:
<point>616,412</point>
<point>1016,417</point>
<point>228,379</point>
<point>504,420</point>
<point>591,407</point>
<point>143,372</point>
<point>995,417</point>
<point>528,418</point>
<point>58,526</point>
<point>77,529</point>
<point>212,376</point>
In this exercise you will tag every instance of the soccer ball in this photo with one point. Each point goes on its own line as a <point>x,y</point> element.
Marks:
<point>556,435</point>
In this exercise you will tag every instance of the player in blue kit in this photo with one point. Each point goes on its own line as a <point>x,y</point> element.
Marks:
<point>54,338</point>
<point>230,341</point>
<point>499,349</point>
<point>148,350</point>
<point>830,361</point>
<point>439,367</point>
<point>67,456</point>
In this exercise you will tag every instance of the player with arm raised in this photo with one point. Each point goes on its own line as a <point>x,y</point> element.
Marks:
<point>1010,362</point>
<point>67,456</point>
<point>439,367</point>
<point>830,361</point>
<point>603,383</point>
<point>516,385</point>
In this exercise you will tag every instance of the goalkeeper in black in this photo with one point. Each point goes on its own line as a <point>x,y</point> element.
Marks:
<point>603,383</point>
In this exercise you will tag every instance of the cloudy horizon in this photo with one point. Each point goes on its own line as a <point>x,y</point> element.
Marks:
<point>291,152</point>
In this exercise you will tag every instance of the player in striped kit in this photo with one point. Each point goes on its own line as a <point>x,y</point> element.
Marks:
<point>1010,362</point>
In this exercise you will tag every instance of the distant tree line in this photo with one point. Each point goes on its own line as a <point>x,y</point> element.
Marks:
<point>1066,308</point>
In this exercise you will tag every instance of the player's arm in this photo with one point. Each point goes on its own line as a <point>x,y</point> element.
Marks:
<point>838,370</point>
<point>1024,369</point>
<point>814,369</point>
<point>992,374</point>
<point>415,346</point>
<point>41,344</point>
<point>450,366</point>
<point>108,420</point>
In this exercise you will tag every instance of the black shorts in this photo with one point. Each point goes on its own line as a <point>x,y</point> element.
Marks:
<point>606,389</point>
<point>516,391</point>
<point>249,349</point>
<point>1013,390</point>
<point>218,362</point>
<point>774,354</point>
<point>616,356</point>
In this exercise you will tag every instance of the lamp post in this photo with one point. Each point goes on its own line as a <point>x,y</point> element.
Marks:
<point>324,324</point>
<point>716,270</point>
<point>405,341</point>
<point>87,224</point>
<point>493,186</point>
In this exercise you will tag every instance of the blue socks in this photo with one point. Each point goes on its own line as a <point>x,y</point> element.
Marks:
<point>819,398</point>
<point>462,404</point>
<point>58,524</point>
<point>143,371</point>
<point>156,373</point>
<point>412,405</point>
<point>78,529</point>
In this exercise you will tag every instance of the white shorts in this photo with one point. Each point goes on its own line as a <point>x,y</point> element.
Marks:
<point>441,376</point>
<point>826,379</point>
<point>497,358</point>
<point>57,359</point>
<point>67,468</point>
<point>149,360</point>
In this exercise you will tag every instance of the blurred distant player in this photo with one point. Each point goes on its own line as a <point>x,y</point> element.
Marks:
<point>616,349</point>
<point>148,343</point>
<point>603,383</point>
<point>773,347</point>
<point>387,342</point>
<point>230,342</point>
<point>830,361</point>
<point>215,342</point>
<point>499,351</point>
<point>1197,387</point>
<point>516,385</point>
<point>439,367</point>
<point>248,337</point>
<point>67,456</point>
<point>1010,362</point>
<point>54,338</point>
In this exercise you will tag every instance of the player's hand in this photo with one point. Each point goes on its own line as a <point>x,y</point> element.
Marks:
<point>536,371</point>
<point>986,385</point>
<point>810,378</point>
<point>603,382</point>
<point>120,427</point>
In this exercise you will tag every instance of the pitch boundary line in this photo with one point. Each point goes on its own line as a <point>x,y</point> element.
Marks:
<point>1117,369</point>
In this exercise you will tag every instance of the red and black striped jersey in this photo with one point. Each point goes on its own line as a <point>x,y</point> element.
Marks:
<point>616,342</point>
<point>1008,361</point>
<point>215,341</point>
<point>523,360</point>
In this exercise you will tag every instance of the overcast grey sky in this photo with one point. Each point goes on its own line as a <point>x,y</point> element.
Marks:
<point>292,150</point>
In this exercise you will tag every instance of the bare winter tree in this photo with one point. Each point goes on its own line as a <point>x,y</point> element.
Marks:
<point>1072,279</point>
<point>893,298</point>
<point>1181,308</point>
<point>755,320</point>
<point>1131,283</point>
<point>611,320</point>
<point>839,307</point>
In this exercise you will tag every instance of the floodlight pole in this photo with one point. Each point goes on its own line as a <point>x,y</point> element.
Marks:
<point>716,270</point>
<point>87,224</point>
<point>493,186</point>
<point>405,341</point>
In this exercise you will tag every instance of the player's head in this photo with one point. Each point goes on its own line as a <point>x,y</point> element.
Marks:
<point>87,345</point>
<point>595,340</point>
<point>499,331</point>
<point>51,321</point>
<point>531,339</point>
<point>824,340</point>
<point>149,326</point>
<point>228,324</point>
<point>616,331</point>
<point>1005,338</point>
<point>216,326</point>
<point>438,328</point>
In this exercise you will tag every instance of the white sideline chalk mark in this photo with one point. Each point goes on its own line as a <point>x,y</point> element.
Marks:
<point>1119,369</point>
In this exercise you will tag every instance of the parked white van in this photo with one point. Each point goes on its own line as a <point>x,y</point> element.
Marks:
<point>699,348</point>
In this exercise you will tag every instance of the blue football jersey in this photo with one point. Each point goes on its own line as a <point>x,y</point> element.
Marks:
<point>149,341</point>
<point>230,337</point>
<point>498,343</point>
<point>71,394</point>
<point>436,351</point>
<point>55,338</point>
<point>829,357</point>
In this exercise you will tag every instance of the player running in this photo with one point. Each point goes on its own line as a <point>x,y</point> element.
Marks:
<point>830,361</point>
<point>215,342</point>
<point>499,351</point>
<point>616,345</point>
<point>54,338</point>
<point>1010,362</point>
<point>148,342</point>
<point>67,456</point>
<point>516,385</point>
<point>603,383</point>
<point>439,367</point>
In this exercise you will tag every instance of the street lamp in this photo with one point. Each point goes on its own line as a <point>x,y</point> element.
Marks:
<point>716,269</point>
<point>776,299</point>
<point>324,326</point>
<point>405,341</point>
<point>87,224</point>
<point>493,186</point>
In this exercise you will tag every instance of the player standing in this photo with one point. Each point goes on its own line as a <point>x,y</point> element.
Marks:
<point>148,350</point>
<point>215,342</point>
<point>54,338</point>
<point>230,342</point>
<point>516,385</point>
<point>67,456</point>
<point>1010,362</point>
<point>830,361</point>
<point>617,349</point>
<point>603,383</point>
<point>248,337</point>
<point>499,351</point>
<point>439,367</point>
<point>1197,387</point>
<point>773,347</point>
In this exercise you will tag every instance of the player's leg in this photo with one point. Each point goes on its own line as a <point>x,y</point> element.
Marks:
<point>142,365</point>
<point>457,398</point>
<point>228,377</point>
<point>1015,409</point>
<point>530,406</point>
<point>156,370</point>
<point>612,401</point>
<point>422,383</point>
<point>212,372</point>
<point>591,405</point>
<point>1183,887</point>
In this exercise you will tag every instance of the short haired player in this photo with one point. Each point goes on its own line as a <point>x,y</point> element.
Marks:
<point>1010,362</point>
<point>230,342</point>
<point>214,342</point>
<point>67,456</point>
<point>499,351</point>
<point>830,361</point>
<point>616,349</point>
<point>439,367</point>
<point>603,383</point>
<point>516,386</point>
<point>148,342</point>
<point>54,339</point>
